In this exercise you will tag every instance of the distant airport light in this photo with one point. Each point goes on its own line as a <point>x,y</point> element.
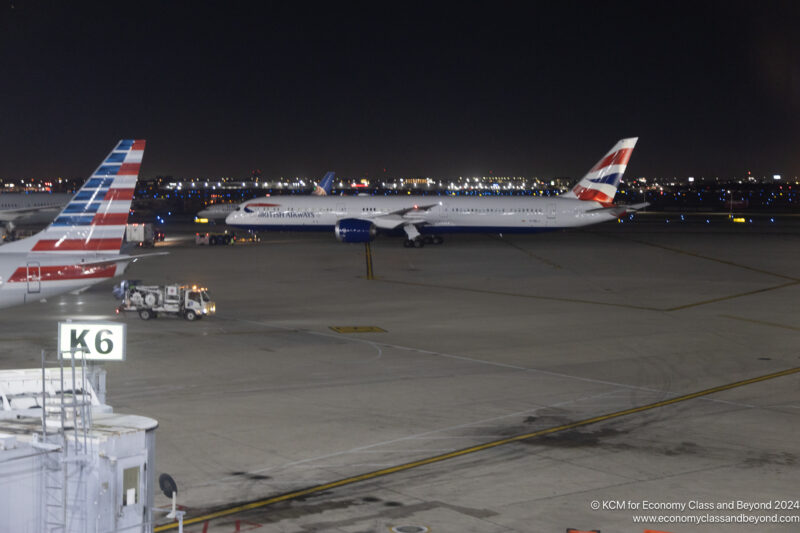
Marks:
<point>776,176</point>
<point>691,179</point>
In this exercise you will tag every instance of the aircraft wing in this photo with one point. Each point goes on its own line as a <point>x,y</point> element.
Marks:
<point>409,215</point>
<point>414,209</point>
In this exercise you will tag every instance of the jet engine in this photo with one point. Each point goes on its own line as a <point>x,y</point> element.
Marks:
<point>355,230</point>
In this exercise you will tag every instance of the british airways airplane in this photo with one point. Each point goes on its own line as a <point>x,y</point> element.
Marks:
<point>81,246</point>
<point>31,208</point>
<point>424,219</point>
<point>221,211</point>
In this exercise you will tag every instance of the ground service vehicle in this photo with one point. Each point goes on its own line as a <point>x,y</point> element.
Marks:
<point>142,234</point>
<point>213,239</point>
<point>190,302</point>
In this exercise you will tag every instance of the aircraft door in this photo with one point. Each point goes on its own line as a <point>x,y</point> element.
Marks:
<point>551,213</point>
<point>444,212</point>
<point>34,277</point>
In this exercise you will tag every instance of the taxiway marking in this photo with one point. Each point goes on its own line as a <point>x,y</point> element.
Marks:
<point>715,260</point>
<point>732,296</point>
<point>473,449</point>
<point>595,302</point>
<point>518,295</point>
<point>761,322</point>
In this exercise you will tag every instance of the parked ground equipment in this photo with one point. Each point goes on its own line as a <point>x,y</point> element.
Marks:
<point>141,234</point>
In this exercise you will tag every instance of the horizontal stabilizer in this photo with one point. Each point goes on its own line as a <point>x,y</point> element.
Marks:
<point>117,258</point>
<point>619,210</point>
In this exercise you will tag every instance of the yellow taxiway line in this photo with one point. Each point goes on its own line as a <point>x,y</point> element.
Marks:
<point>480,447</point>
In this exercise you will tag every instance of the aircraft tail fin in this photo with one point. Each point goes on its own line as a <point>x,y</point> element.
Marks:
<point>601,182</point>
<point>94,220</point>
<point>325,184</point>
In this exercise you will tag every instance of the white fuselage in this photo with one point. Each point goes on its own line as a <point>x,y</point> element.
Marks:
<point>432,214</point>
<point>30,277</point>
<point>82,245</point>
<point>31,208</point>
<point>216,211</point>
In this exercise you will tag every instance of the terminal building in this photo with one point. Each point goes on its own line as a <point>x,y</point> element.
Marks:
<point>68,463</point>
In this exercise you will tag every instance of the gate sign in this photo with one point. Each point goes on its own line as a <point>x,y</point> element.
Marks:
<point>98,341</point>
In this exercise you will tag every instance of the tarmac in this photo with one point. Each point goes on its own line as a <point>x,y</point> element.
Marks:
<point>528,355</point>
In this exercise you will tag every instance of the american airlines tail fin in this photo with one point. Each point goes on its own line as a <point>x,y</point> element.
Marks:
<point>94,220</point>
<point>601,182</point>
<point>324,186</point>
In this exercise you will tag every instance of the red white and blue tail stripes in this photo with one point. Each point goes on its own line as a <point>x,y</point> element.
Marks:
<point>601,182</point>
<point>95,218</point>
<point>81,246</point>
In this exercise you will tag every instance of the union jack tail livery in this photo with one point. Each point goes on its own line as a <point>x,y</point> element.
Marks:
<point>601,182</point>
<point>423,220</point>
<point>81,246</point>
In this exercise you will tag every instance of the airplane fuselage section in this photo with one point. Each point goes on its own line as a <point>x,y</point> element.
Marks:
<point>33,277</point>
<point>432,214</point>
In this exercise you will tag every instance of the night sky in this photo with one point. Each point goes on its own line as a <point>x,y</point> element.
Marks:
<point>534,89</point>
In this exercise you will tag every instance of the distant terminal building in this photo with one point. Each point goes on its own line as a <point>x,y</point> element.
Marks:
<point>68,463</point>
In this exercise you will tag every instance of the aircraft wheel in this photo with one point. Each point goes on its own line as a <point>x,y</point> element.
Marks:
<point>437,239</point>
<point>418,243</point>
<point>145,314</point>
<point>408,243</point>
<point>427,239</point>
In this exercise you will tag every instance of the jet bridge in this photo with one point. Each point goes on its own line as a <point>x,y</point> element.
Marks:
<point>68,463</point>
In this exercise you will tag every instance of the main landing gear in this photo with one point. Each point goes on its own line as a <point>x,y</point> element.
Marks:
<point>414,239</point>
<point>422,240</point>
